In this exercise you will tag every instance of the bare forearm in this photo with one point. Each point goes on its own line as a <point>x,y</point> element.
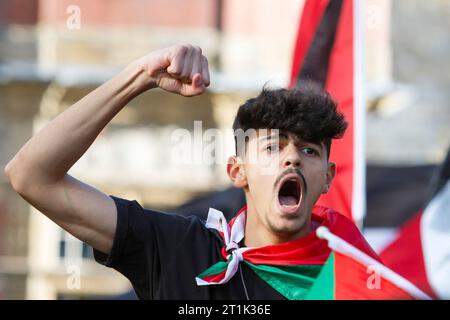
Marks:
<point>52,152</point>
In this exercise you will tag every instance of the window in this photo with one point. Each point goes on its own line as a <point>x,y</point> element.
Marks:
<point>72,248</point>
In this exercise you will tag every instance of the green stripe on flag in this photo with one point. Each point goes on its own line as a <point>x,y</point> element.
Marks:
<point>323,288</point>
<point>293,282</point>
<point>214,269</point>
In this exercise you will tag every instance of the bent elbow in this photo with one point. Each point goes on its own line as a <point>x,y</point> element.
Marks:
<point>14,177</point>
<point>8,172</point>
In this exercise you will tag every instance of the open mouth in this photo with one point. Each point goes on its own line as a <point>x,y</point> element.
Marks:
<point>290,192</point>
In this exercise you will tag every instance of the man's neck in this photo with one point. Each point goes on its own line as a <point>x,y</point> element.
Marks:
<point>259,235</point>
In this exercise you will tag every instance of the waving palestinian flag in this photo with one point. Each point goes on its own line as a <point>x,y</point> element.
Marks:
<point>329,52</point>
<point>421,249</point>
<point>349,273</point>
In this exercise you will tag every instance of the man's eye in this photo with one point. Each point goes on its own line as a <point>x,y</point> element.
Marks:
<point>309,151</point>
<point>272,148</point>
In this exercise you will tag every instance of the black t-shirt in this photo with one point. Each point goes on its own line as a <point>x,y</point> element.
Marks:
<point>162,253</point>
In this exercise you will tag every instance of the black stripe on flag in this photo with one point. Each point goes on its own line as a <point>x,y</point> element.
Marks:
<point>440,178</point>
<point>315,65</point>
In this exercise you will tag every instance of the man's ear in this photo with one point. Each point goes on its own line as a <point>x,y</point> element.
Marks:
<point>331,172</point>
<point>236,172</point>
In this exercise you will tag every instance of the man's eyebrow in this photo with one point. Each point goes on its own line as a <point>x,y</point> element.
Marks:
<point>274,136</point>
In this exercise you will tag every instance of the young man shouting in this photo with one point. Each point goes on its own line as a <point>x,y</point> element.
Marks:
<point>270,243</point>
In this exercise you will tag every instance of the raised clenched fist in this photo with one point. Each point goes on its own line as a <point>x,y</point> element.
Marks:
<point>179,69</point>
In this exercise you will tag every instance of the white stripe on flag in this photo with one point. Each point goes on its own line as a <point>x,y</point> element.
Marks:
<point>435,235</point>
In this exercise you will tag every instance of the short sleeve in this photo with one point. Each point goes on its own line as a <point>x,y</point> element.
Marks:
<point>147,240</point>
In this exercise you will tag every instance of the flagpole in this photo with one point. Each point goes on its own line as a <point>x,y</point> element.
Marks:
<point>359,107</point>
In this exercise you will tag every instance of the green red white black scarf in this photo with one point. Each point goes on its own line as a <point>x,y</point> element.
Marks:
<point>292,267</point>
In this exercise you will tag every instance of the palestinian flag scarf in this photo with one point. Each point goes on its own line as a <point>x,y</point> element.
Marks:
<point>292,267</point>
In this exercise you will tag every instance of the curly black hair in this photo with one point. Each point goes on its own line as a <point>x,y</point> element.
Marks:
<point>308,112</point>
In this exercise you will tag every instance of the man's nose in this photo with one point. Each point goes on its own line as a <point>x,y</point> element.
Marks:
<point>292,159</point>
